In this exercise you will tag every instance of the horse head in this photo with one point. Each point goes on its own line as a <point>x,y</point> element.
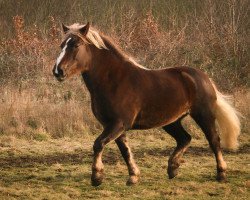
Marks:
<point>75,53</point>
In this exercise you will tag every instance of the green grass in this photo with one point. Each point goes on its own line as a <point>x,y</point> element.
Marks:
<point>61,169</point>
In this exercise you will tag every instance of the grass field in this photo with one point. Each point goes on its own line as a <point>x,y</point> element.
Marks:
<point>61,169</point>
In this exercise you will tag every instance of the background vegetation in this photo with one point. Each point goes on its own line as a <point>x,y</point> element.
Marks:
<point>38,111</point>
<point>211,35</point>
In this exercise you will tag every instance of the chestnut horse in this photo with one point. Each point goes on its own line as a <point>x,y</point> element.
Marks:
<point>126,96</point>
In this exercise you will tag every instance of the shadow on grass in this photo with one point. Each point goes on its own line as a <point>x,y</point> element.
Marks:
<point>110,156</point>
<point>192,151</point>
<point>232,175</point>
<point>30,161</point>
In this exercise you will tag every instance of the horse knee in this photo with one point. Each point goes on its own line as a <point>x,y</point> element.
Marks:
<point>98,145</point>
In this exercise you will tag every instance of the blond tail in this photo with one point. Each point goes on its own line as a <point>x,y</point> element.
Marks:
<point>228,121</point>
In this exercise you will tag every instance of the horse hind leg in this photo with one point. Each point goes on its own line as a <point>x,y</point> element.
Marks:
<point>206,121</point>
<point>182,139</point>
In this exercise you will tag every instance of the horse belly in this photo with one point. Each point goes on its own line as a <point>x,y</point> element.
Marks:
<point>161,111</point>
<point>150,121</point>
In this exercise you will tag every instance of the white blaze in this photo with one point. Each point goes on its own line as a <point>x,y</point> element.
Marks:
<point>60,57</point>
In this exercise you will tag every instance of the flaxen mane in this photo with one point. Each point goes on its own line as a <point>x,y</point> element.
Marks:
<point>101,41</point>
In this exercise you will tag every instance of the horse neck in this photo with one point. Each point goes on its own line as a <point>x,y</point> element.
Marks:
<point>105,64</point>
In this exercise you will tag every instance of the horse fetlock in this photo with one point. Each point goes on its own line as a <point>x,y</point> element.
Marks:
<point>98,168</point>
<point>98,165</point>
<point>134,171</point>
<point>174,163</point>
<point>222,166</point>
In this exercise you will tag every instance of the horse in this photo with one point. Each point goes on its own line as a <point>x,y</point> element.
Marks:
<point>127,96</point>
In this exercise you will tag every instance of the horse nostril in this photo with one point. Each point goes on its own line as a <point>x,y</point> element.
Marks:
<point>58,72</point>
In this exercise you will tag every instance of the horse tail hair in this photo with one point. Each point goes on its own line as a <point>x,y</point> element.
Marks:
<point>228,120</point>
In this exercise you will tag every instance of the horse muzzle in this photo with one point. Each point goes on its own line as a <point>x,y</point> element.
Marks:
<point>58,73</point>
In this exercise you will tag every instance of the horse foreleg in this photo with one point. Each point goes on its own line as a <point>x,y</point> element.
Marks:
<point>133,170</point>
<point>110,133</point>
<point>182,139</point>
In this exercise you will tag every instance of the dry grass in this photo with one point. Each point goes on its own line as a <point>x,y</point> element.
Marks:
<point>61,168</point>
<point>34,114</point>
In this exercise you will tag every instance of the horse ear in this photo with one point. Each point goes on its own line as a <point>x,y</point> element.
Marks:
<point>84,30</point>
<point>65,28</point>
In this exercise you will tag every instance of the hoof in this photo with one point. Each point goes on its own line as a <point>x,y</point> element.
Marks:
<point>172,173</point>
<point>96,179</point>
<point>96,182</point>
<point>221,177</point>
<point>132,180</point>
<point>173,170</point>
